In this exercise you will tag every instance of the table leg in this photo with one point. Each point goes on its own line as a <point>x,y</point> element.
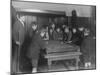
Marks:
<point>77,61</point>
<point>49,64</point>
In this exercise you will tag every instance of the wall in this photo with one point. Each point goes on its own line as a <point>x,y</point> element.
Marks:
<point>83,11</point>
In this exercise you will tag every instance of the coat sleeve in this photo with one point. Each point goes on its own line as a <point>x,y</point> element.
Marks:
<point>18,32</point>
<point>69,36</point>
<point>41,42</point>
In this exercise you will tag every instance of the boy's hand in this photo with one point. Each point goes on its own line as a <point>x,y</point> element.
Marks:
<point>17,42</point>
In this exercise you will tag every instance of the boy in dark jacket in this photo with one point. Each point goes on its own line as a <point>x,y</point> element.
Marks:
<point>34,48</point>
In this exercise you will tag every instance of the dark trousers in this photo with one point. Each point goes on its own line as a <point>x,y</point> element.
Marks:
<point>34,63</point>
<point>14,58</point>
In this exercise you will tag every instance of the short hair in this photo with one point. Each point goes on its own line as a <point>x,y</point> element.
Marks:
<point>35,23</point>
<point>19,15</point>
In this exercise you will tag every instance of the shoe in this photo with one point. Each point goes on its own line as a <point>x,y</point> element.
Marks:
<point>87,65</point>
<point>34,70</point>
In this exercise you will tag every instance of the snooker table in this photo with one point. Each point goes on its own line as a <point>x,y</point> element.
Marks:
<point>57,50</point>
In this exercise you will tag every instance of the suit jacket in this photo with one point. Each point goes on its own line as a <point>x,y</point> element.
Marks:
<point>18,32</point>
<point>88,49</point>
<point>58,35</point>
<point>77,38</point>
<point>67,36</point>
<point>36,44</point>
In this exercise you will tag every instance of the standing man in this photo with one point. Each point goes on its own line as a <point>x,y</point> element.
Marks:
<point>58,35</point>
<point>77,36</point>
<point>86,48</point>
<point>18,34</point>
<point>35,46</point>
<point>51,30</point>
<point>19,30</point>
<point>67,34</point>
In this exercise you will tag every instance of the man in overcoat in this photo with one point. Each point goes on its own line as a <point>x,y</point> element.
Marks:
<point>18,35</point>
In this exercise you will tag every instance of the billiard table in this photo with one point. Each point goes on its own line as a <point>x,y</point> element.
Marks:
<point>57,50</point>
